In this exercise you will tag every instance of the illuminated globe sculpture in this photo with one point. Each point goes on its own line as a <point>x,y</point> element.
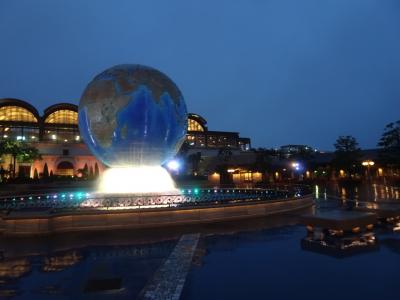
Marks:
<point>132,116</point>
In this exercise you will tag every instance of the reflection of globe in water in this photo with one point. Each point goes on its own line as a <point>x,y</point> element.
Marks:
<point>132,115</point>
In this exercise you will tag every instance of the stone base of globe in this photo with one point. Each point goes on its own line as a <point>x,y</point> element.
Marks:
<point>137,180</point>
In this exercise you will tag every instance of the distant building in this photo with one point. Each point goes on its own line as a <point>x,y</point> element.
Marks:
<point>198,136</point>
<point>290,150</point>
<point>56,135</point>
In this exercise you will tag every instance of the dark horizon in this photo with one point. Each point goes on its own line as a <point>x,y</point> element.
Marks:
<point>279,72</point>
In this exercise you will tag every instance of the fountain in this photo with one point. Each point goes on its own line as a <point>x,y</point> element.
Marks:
<point>133,118</point>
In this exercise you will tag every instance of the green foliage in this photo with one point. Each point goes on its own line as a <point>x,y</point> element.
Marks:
<point>19,151</point>
<point>45,171</point>
<point>28,154</point>
<point>194,160</point>
<point>84,171</point>
<point>224,154</point>
<point>347,154</point>
<point>91,172</point>
<point>96,170</point>
<point>390,144</point>
<point>263,159</point>
<point>346,144</point>
<point>391,136</point>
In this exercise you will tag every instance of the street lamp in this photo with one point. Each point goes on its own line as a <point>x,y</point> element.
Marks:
<point>296,166</point>
<point>368,164</point>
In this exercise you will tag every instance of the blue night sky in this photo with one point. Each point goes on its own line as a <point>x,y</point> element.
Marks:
<point>278,71</point>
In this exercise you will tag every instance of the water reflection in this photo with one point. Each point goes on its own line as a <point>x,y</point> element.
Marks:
<point>76,273</point>
<point>263,264</point>
<point>82,265</point>
<point>340,247</point>
<point>362,192</point>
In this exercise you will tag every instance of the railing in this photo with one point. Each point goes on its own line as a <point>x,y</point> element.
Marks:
<point>183,198</point>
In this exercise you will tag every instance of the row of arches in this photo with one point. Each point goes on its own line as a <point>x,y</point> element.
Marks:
<point>15,110</point>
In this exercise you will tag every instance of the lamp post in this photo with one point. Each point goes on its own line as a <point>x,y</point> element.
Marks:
<point>368,164</point>
<point>296,167</point>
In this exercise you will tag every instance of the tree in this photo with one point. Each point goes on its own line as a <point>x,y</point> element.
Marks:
<point>96,170</point>
<point>84,171</point>
<point>35,174</point>
<point>194,160</point>
<point>13,149</point>
<point>346,144</point>
<point>45,171</point>
<point>18,151</point>
<point>390,144</point>
<point>263,159</point>
<point>347,153</point>
<point>225,154</point>
<point>28,154</point>
<point>91,172</point>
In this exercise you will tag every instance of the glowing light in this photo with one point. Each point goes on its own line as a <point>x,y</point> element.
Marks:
<point>231,170</point>
<point>368,163</point>
<point>173,165</point>
<point>53,136</point>
<point>138,180</point>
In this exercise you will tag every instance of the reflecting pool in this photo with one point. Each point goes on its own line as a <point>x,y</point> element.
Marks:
<point>270,264</point>
<point>254,259</point>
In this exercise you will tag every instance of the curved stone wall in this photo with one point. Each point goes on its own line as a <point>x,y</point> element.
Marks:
<point>94,220</point>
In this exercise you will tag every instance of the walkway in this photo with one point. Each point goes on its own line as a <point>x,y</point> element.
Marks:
<point>168,281</point>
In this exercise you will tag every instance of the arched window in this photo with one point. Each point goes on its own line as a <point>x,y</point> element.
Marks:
<point>63,116</point>
<point>65,168</point>
<point>16,114</point>
<point>193,125</point>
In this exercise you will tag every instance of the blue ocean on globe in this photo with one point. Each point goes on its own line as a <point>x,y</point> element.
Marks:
<point>132,115</point>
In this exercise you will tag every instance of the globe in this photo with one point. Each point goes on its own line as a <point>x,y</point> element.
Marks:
<point>132,115</point>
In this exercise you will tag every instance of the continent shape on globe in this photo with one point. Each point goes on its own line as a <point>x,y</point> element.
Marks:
<point>132,115</point>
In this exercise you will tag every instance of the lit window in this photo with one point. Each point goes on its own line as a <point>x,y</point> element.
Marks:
<point>17,114</point>
<point>63,116</point>
<point>193,125</point>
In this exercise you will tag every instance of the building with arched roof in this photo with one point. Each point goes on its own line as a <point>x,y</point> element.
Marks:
<point>198,136</point>
<point>56,135</point>
<point>19,120</point>
<point>60,123</point>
